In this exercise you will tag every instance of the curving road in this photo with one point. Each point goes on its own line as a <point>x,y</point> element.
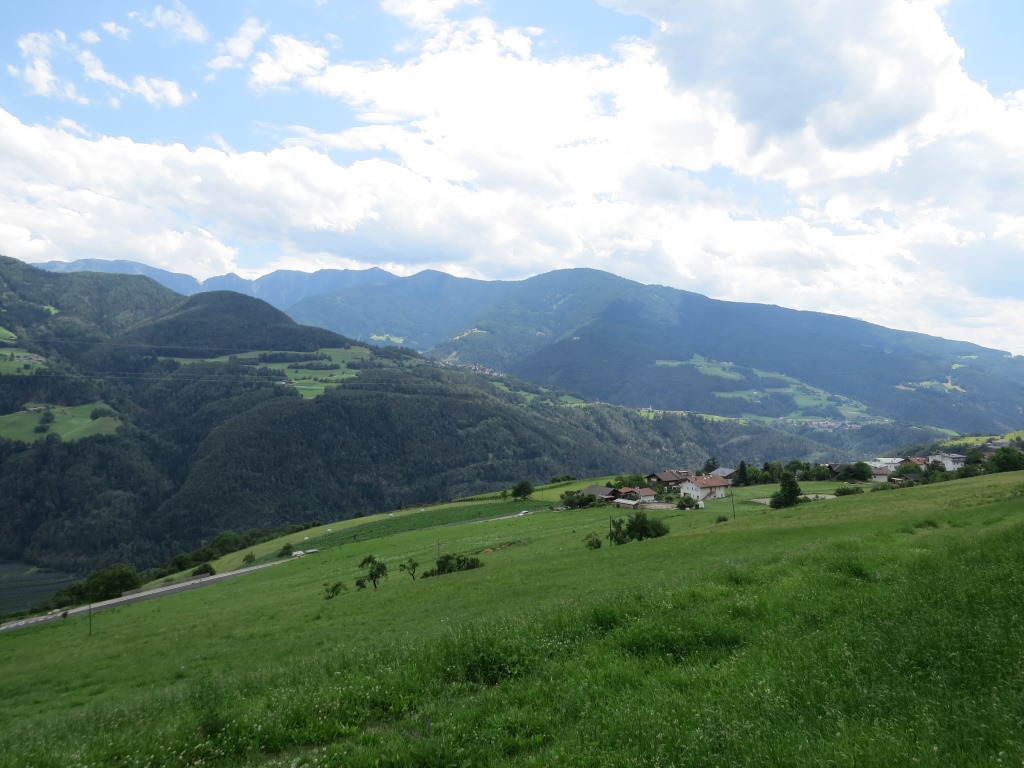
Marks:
<point>136,597</point>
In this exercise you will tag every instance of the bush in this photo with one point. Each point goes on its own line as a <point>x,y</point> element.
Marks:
<point>286,550</point>
<point>848,490</point>
<point>331,591</point>
<point>637,527</point>
<point>448,563</point>
<point>205,569</point>
<point>249,559</point>
<point>722,519</point>
<point>592,541</point>
<point>685,502</point>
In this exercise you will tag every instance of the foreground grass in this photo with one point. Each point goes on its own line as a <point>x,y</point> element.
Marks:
<point>871,630</point>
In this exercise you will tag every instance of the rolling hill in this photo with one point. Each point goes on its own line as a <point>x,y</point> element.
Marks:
<point>614,340</point>
<point>231,415</point>
<point>875,630</point>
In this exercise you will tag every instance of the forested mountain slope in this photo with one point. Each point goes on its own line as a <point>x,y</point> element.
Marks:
<point>212,437</point>
<point>615,340</point>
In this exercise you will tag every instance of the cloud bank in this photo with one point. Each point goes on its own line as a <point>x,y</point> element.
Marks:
<point>817,156</point>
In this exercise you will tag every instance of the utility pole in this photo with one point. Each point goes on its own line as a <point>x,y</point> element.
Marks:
<point>733,499</point>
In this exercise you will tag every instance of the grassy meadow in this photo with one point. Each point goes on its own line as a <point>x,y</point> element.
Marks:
<point>871,630</point>
<point>71,422</point>
<point>308,382</point>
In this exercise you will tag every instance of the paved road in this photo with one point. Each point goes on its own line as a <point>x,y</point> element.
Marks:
<point>136,597</point>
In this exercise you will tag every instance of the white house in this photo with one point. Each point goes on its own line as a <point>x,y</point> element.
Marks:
<point>704,487</point>
<point>951,461</point>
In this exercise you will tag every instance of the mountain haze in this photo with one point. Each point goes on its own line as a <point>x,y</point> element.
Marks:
<point>611,339</point>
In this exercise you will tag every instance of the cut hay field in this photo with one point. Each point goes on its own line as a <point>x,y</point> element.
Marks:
<point>872,630</point>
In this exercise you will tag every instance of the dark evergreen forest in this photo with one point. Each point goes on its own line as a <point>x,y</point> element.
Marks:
<point>206,446</point>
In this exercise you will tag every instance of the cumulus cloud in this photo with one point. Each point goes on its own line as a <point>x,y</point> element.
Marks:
<point>236,51</point>
<point>38,50</point>
<point>423,14</point>
<point>290,60</point>
<point>154,90</point>
<point>812,156</point>
<point>178,20</point>
<point>115,30</point>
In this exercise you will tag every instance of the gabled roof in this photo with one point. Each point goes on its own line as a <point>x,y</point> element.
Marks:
<point>599,491</point>
<point>671,476</point>
<point>725,472</point>
<point>708,481</point>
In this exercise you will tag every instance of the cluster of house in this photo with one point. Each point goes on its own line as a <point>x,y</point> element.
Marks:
<point>699,487</point>
<point>883,470</point>
<point>706,487</point>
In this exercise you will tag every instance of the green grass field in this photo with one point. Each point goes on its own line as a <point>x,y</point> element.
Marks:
<point>18,362</point>
<point>6,337</point>
<point>72,422</point>
<point>873,630</point>
<point>309,382</point>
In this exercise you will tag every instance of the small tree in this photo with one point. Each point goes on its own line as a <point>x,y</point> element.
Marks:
<point>204,569</point>
<point>592,541</point>
<point>409,566</point>
<point>634,480</point>
<point>788,494</point>
<point>639,527</point>
<point>742,477</point>
<point>249,559</point>
<point>1006,459</point>
<point>375,569</point>
<point>858,471</point>
<point>522,490</point>
<point>331,591</point>
<point>578,500</point>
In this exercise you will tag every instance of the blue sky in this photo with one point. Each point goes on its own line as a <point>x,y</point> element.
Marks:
<point>863,159</point>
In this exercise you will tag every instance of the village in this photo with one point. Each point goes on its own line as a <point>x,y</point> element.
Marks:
<point>672,488</point>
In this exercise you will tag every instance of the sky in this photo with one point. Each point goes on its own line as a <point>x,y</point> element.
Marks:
<point>857,158</point>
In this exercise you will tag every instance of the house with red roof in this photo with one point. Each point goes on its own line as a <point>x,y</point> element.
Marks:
<point>704,487</point>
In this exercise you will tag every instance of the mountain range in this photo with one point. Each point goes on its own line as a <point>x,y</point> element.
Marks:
<point>605,338</point>
<point>137,423</point>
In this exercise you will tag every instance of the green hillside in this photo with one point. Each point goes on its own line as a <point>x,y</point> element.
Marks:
<point>218,412</point>
<point>880,629</point>
<point>615,340</point>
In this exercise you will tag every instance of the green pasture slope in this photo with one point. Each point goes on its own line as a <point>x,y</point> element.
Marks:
<point>308,382</point>
<point>879,629</point>
<point>71,422</point>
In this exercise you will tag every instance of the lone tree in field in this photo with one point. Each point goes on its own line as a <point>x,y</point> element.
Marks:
<point>409,566</point>
<point>375,569</point>
<point>788,494</point>
<point>522,490</point>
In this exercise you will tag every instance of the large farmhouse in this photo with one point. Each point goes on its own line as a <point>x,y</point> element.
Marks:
<point>704,487</point>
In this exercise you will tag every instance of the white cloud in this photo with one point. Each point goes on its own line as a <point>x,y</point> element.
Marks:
<point>115,30</point>
<point>290,60</point>
<point>236,51</point>
<point>154,90</point>
<point>423,14</point>
<point>38,50</point>
<point>807,155</point>
<point>179,21</point>
<point>89,37</point>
